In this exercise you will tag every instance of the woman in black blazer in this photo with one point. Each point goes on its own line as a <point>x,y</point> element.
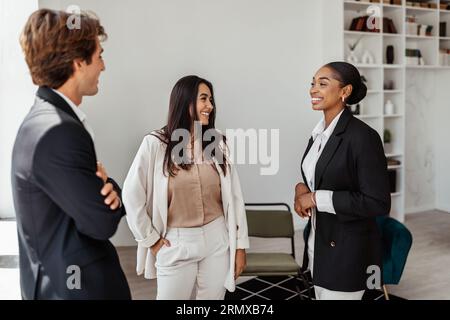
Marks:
<point>345,188</point>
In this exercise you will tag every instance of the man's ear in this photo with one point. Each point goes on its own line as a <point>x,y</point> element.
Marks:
<point>77,64</point>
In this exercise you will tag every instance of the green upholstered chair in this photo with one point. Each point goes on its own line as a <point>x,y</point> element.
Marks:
<point>273,223</point>
<point>397,241</point>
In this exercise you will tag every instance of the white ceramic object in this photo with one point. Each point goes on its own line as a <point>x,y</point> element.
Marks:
<point>368,58</point>
<point>352,58</point>
<point>389,108</point>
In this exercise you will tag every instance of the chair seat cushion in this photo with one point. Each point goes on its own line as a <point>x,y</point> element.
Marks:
<point>271,263</point>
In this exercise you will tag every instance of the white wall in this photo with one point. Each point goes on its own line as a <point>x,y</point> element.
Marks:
<point>442,143</point>
<point>421,154</point>
<point>260,56</point>
<point>16,90</point>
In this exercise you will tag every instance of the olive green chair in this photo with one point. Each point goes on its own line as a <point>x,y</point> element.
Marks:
<point>273,223</point>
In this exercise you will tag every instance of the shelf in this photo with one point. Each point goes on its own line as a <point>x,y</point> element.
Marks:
<point>393,116</point>
<point>395,167</point>
<point>420,9</point>
<point>396,194</point>
<point>411,36</point>
<point>423,67</point>
<point>358,6</point>
<point>392,66</point>
<point>367,116</point>
<point>393,91</point>
<point>392,6</point>
<point>374,91</point>
<point>361,33</point>
<point>394,35</point>
<point>368,65</point>
<point>444,38</point>
<point>393,155</point>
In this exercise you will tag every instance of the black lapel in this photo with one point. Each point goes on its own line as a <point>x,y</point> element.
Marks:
<point>310,143</point>
<point>47,94</point>
<point>331,147</point>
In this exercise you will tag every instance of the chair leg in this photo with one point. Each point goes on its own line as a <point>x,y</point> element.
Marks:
<point>386,295</point>
<point>298,291</point>
<point>304,279</point>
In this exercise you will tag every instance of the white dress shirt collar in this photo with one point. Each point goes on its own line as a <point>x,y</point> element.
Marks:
<point>80,114</point>
<point>320,127</point>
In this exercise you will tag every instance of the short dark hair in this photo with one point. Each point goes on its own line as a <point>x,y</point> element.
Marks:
<point>50,46</point>
<point>348,74</point>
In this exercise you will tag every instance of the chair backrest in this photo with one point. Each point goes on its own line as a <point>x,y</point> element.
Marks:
<point>269,223</point>
<point>397,241</point>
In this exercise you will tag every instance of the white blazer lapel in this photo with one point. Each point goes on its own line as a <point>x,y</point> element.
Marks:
<point>225,188</point>
<point>161,185</point>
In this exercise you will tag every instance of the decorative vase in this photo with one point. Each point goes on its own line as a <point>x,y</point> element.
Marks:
<point>352,58</point>
<point>389,108</point>
<point>390,55</point>
<point>355,109</point>
<point>367,58</point>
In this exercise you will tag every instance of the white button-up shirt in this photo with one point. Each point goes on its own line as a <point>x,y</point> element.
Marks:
<point>324,198</point>
<point>80,114</point>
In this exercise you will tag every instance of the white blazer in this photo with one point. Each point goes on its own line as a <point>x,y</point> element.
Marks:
<point>144,195</point>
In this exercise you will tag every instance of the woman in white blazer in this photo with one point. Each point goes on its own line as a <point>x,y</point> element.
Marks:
<point>186,209</point>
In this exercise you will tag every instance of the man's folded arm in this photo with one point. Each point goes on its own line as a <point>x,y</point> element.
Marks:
<point>65,168</point>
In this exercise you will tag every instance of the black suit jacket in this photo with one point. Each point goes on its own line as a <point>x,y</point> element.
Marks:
<point>352,165</point>
<point>62,220</point>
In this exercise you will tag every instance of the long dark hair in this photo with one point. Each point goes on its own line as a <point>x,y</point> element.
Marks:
<point>182,115</point>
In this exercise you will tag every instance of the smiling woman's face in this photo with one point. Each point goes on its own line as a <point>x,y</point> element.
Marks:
<point>204,104</point>
<point>326,91</point>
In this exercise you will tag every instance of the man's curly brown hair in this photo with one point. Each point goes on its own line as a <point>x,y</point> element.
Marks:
<point>50,46</point>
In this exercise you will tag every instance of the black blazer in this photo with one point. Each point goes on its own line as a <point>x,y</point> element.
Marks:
<point>352,165</point>
<point>61,216</point>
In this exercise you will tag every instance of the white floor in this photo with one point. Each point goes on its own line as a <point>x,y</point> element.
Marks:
<point>9,277</point>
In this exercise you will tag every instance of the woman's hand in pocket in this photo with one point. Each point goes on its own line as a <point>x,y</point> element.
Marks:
<point>241,262</point>
<point>158,245</point>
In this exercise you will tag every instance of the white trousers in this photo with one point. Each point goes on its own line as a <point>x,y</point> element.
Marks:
<point>198,258</point>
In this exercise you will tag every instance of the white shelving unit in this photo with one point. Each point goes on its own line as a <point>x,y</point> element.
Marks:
<point>379,73</point>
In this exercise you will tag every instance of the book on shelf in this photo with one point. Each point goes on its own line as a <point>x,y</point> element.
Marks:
<point>414,57</point>
<point>443,29</point>
<point>393,2</point>
<point>389,26</point>
<point>361,24</point>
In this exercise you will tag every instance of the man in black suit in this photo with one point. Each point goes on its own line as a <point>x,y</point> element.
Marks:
<point>66,206</point>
